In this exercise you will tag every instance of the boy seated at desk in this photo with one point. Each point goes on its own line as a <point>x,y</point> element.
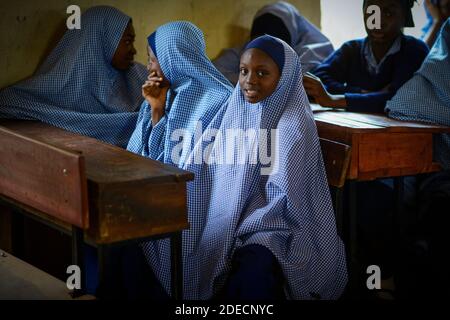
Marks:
<point>365,73</point>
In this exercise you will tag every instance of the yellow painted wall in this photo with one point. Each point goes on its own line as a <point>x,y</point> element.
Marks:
<point>28,28</point>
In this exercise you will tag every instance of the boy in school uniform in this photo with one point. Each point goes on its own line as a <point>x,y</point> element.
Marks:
<point>365,73</point>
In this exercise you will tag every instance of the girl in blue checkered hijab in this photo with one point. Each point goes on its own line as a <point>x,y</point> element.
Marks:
<point>89,83</point>
<point>182,89</point>
<point>256,225</point>
<point>426,97</point>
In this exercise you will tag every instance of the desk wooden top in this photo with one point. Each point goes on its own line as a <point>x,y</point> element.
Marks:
<point>381,147</point>
<point>364,122</point>
<point>129,196</point>
<point>105,163</point>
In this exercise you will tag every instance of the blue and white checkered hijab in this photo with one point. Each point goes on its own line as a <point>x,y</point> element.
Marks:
<point>197,91</point>
<point>426,96</point>
<point>234,205</point>
<point>77,89</point>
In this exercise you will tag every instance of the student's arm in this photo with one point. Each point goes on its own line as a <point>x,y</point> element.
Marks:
<point>353,102</point>
<point>431,36</point>
<point>315,89</point>
<point>414,53</point>
<point>373,102</point>
<point>439,13</point>
<point>149,134</point>
<point>334,69</point>
<point>148,139</point>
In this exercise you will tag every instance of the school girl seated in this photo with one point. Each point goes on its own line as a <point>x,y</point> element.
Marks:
<point>89,84</point>
<point>282,20</point>
<point>426,98</point>
<point>260,228</point>
<point>364,73</point>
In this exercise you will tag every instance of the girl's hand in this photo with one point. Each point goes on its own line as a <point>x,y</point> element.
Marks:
<point>314,88</point>
<point>439,12</point>
<point>433,10</point>
<point>154,91</point>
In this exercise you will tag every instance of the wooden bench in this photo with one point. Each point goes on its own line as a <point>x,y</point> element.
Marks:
<point>98,192</point>
<point>21,281</point>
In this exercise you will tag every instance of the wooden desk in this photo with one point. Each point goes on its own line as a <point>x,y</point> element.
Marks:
<point>129,197</point>
<point>381,148</point>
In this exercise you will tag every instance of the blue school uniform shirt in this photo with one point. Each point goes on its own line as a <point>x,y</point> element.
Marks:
<point>348,71</point>
<point>234,203</point>
<point>426,97</point>
<point>77,88</point>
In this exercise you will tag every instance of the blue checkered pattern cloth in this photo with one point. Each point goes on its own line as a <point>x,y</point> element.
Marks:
<point>426,97</point>
<point>312,46</point>
<point>197,91</point>
<point>231,206</point>
<point>77,89</point>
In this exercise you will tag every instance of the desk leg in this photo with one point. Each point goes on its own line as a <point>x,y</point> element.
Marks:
<point>18,234</point>
<point>398,217</point>
<point>176,266</point>
<point>103,259</point>
<point>338,209</point>
<point>78,258</point>
<point>6,228</point>
<point>352,251</point>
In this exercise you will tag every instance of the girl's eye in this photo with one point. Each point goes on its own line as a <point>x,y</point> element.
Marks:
<point>243,71</point>
<point>262,73</point>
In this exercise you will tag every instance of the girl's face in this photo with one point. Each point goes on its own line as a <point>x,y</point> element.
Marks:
<point>152,62</point>
<point>392,21</point>
<point>124,55</point>
<point>258,75</point>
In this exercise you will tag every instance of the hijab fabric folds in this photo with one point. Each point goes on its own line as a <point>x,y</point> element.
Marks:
<point>77,89</point>
<point>426,96</point>
<point>283,204</point>
<point>197,91</point>
<point>312,46</point>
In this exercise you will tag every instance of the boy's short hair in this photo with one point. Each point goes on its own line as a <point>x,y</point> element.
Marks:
<point>407,6</point>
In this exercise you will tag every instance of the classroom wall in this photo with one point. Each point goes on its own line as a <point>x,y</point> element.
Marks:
<point>29,28</point>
